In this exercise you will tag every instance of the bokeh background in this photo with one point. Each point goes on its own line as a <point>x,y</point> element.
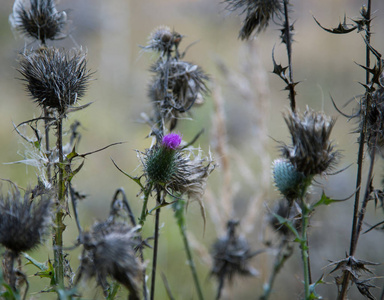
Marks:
<point>112,32</point>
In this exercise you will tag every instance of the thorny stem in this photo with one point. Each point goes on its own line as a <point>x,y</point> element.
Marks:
<point>304,249</point>
<point>285,252</point>
<point>155,246</point>
<point>47,148</point>
<point>59,225</point>
<point>354,233</point>
<point>182,226</point>
<point>288,42</point>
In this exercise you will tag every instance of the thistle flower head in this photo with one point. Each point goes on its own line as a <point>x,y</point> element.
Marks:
<point>109,251</point>
<point>258,14</point>
<point>231,255</point>
<point>375,122</point>
<point>311,152</point>
<point>171,141</point>
<point>288,180</point>
<point>163,40</point>
<point>55,78</point>
<point>23,222</point>
<point>187,83</point>
<point>38,19</point>
<point>177,169</point>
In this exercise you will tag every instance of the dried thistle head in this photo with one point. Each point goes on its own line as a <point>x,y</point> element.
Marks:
<point>38,19</point>
<point>231,256</point>
<point>177,169</point>
<point>55,78</point>
<point>163,40</point>
<point>375,122</point>
<point>109,251</point>
<point>258,13</point>
<point>286,210</point>
<point>311,152</point>
<point>186,83</point>
<point>23,222</point>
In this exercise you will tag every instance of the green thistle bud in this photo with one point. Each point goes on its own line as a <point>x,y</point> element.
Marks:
<point>290,182</point>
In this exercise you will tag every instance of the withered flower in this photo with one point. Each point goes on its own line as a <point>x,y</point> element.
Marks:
<point>258,13</point>
<point>23,222</point>
<point>38,19</point>
<point>231,256</point>
<point>109,251</point>
<point>173,168</point>
<point>375,121</point>
<point>186,84</point>
<point>163,40</point>
<point>312,152</point>
<point>55,78</point>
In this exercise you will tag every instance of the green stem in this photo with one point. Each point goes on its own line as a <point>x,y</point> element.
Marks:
<point>182,226</point>
<point>145,203</point>
<point>59,224</point>
<point>285,252</point>
<point>155,246</point>
<point>304,249</point>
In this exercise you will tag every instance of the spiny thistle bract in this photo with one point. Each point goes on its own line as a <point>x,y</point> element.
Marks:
<point>258,14</point>
<point>311,152</point>
<point>175,168</point>
<point>23,222</point>
<point>38,19</point>
<point>55,78</point>
<point>109,251</point>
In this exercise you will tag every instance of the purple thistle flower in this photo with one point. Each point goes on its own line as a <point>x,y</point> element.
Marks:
<point>171,141</point>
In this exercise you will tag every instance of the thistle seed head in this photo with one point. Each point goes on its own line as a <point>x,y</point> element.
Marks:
<point>163,40</point>
<point>109,251</point>
<point>55,78</point>
<point>23,222</point>
<point>375,122</point>
<point>258,14</point>
<point>187,83</point>
<point>231,255</point>
<point>38,19</point>
<point>312,152</point>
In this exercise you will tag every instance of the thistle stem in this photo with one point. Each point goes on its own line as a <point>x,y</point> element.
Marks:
<point>156,246</point>
<point>59,224</point>
<point>288,43</point>
<point>182,226</point>
<point>304,249</point>
<point>285,252</point>
<point>143,215</point>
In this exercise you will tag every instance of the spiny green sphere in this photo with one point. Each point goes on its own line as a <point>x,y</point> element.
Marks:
<point>288,180</point>
<point>160,165</point>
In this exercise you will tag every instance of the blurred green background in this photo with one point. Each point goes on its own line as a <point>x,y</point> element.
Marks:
<point>111,32</point>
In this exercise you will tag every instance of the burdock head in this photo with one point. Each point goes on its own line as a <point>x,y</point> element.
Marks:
<point>38,19</point>
<point>55,78</point>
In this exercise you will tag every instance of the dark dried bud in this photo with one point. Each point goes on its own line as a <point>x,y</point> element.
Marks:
<point>312,152</point>
<point>231,256</point>
<point>287,211</point>
<point>109,251</point>
<point>38,19</point>
<point>55,78</point>
<point>23,222</point>
<point>163,40</point>
<point>258,14</point>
